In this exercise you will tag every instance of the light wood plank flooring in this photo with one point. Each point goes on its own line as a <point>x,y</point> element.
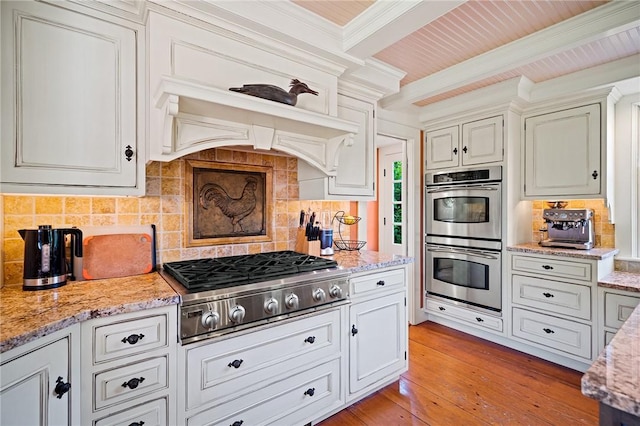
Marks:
<point>458,379</point>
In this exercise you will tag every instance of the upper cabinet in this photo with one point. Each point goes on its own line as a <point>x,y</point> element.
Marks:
<point>71,85</point>
<point>465,144</point>
<point>354,179</point>
<point>568,149</point>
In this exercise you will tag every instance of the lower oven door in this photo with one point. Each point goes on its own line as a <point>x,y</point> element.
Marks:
<point>466,275</point>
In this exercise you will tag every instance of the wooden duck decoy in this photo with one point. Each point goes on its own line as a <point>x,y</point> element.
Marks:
<point>275,93</point>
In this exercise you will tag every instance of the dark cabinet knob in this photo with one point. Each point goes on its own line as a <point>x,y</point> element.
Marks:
<point>354,330</point>
<point>547,267</point>
<point>61,387</point>
<point>455,151</point>
<point>236,363</point>
<point>594,174</point>
<point>310,391</point>
<point>479,319</point>
<point>310,339</point>
<point>464,149</point>
<point>441,308</point>
<point>140,423</point>
<point>548,330</point>
<point>133,339</point>
<point>237,423</point>
<point>547,295</point>
<point>380,283</point>
<point>133,383</point>
<point>128,153</point>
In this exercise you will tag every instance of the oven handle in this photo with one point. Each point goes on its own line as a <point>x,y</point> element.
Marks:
<point>468,252</point>
<point>462,188</point>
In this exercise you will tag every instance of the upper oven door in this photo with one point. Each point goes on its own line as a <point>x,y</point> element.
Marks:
<point>466,211</point>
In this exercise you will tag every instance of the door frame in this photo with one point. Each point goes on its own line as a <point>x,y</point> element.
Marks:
<point>393,146</point>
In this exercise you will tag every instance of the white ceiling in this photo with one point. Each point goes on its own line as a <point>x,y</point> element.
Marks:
<point>447,48</point>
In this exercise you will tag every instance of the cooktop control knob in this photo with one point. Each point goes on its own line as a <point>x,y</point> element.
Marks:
<point>292,301</point>
<point>210,319</point>
<point>271,306</point>
<point>236,314</point>
<point>335,292</point>
<point>319,295</point>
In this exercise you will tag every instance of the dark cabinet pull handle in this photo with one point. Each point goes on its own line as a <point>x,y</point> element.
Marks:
<point>310,339</point>
<point>547,267</point>
<point>133,339</point>
<point>548,330</point>
<point>354,330</point>
<point>133,383</point>
<point>547,295</point>
<point>310,391</point>
<point>236,363</point>
<point>441,308</point>
<point>479,319</point>
<point>464,149</point>
<point>128,152</point>
<point>140,423</point>
<point>594,174</point>
<point>455,151</point>
<point>237,423</point>
<point>380,283</point>
<point>61,387</point>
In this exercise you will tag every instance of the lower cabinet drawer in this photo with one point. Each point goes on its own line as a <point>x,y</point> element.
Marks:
<point>130,381</point>
<point>292,400</point>
<point>229,369</point>
<point>553,296</point>
<point>558,268</point>
<point>556,333</point>
<point>378,281</point>
<point>608,337</point>
<point>152,413</point>
<point>617,308</point>
<point>473,317</point>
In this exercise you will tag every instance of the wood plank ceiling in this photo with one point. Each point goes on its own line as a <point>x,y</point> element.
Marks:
<point>479,26</point>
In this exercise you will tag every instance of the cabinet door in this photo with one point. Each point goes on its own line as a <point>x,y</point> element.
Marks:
<point>69,98</point>
<point>562,153</point>
<point>441,148</point>
<point>355,174</point>
<point>27,384</point>
<point>377,346</point>
<point>482,141</point>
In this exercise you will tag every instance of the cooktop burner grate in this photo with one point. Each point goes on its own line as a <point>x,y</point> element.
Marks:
<point>221,272</point>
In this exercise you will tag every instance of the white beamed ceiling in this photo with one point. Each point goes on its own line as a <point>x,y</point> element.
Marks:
<point>463,46</point>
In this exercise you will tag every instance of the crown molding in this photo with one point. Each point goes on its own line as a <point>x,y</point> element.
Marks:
<point>605,20</point>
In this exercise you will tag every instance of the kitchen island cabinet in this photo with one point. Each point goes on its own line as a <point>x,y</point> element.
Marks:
<point>71,84</point>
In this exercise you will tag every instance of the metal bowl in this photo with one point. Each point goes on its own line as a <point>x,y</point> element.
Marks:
<point>557,204</point>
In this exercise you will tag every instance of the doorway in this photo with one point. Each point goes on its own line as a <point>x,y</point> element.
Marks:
<point>392,195</point>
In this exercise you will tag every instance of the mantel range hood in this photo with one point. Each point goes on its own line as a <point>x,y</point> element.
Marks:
<point>188,117</point>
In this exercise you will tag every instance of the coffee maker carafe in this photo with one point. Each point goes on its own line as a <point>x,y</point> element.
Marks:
<point>45,261</point>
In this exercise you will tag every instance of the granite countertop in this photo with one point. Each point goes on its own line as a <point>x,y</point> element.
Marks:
<point>614,378</point>
<point>628,281</point>
<point>28,315</point>
<point>597,253</point>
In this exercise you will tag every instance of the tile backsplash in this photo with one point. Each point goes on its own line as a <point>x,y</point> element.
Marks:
<point>164,206</point>
<point>605,231</point>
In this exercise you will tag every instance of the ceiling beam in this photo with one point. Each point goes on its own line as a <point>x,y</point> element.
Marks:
<point>386,22</point>
<point>606,20</point>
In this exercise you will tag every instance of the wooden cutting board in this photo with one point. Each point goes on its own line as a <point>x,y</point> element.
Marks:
<point>117,255</point>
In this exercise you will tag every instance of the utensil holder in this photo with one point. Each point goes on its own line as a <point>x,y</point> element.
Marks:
<point>304,246</point>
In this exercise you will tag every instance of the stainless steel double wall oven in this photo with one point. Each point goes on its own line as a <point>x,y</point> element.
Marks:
<point>464,236</point>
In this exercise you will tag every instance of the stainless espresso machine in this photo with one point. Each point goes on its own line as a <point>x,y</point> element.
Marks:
<point>571,228</point>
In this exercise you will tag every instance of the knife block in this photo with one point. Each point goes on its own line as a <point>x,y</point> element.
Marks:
<point>308,247</point>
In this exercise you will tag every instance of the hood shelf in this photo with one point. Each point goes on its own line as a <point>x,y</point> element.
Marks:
<point>188,117</point>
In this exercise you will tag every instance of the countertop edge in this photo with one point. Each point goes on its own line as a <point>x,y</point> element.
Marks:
<point>597,253</point>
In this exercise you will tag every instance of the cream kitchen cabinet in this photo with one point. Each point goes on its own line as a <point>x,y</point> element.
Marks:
<point>377,331</point>
<point>614,307</point>
<point>40,381</point>
<point>355,176</point>
<point>72,118</point>
<point>128,368</point>
<point>465,144</point>
<point>289,373</point>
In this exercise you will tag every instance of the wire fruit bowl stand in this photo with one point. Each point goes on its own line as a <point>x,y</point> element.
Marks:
<point>340,242</point>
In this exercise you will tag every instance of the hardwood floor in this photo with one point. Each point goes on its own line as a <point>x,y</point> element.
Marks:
<point>458,379</point>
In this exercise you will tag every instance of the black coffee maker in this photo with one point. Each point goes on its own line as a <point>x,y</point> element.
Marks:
<point>45,260</point>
